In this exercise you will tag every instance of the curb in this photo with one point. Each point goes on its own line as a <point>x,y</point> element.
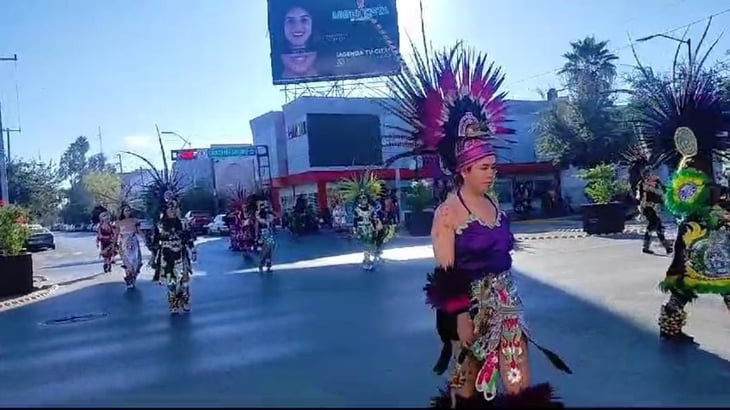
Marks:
<point>34,296</point>
<point>629,233</point>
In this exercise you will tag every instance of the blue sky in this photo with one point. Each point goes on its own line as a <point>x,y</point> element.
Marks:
<point>201,67</point>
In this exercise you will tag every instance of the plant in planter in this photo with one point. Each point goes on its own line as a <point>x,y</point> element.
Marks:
<point>419,202</point>
<point>16,265</point>
<point>604,215</point>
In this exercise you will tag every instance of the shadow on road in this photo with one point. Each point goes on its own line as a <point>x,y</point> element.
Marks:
<point>328,337</point>
<point>72,264</point>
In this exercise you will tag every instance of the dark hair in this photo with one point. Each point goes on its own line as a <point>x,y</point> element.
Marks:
<point>277,16</point>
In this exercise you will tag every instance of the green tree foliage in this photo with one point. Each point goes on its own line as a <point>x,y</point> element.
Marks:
<point>13,231</point>
<point>73,161</point>
<point>586,128</point>
<point>105,188</point>
<point>78,205</point>
<point>602,183</point>
<point>35,186</point>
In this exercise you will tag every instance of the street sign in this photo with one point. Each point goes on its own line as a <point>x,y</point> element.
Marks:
<point>228,152</point>
<point>187,154</point>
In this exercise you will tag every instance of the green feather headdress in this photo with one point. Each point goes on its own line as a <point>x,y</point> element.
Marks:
<point>367,183</point>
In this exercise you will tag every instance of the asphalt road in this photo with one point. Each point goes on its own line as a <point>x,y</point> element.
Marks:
<point>321,332</point>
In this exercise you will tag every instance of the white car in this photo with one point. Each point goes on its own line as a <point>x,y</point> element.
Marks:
<point>218,226</point>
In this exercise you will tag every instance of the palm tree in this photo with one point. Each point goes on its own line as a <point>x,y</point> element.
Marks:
<point>589,67</point>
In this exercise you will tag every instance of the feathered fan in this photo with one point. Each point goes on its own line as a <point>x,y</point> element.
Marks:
<point>166,185</point>
<point>433,97</point>
<point>691,98</point>
<point>366,183</point>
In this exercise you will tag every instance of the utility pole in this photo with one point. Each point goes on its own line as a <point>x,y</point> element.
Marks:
<point>3,165</point>
<point>3,157</point>
<point>121,169</point>
<point>7,141</point>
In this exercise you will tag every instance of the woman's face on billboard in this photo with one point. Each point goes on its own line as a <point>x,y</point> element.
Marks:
<point>297,27</point>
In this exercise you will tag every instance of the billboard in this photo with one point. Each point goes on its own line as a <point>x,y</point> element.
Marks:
<point>341,140</point>
<point>327,40</point>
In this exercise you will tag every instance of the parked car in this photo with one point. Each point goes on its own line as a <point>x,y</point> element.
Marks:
<point>219,226</point>
<point>198,221</point>
<point>40,238</point>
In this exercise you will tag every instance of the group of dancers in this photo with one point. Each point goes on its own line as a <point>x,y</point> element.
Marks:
<point>252,224</point>
<point>452,105</point>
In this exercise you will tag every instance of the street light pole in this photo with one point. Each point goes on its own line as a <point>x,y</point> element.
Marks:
<point>7,140</point>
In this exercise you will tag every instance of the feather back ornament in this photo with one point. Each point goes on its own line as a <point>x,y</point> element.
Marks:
<point>432,98</point>
<point>366,183</point>
<point>167,185</point>
<point>690,97</point>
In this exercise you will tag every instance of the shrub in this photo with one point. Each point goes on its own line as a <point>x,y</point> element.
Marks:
<point>13,229</point>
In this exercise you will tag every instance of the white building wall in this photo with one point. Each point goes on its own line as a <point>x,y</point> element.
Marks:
<point>269,130</point>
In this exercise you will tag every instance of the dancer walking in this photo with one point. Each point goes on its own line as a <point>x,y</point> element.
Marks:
<point>454,108</point>
<point>128,234</point>
<point>105,236</point>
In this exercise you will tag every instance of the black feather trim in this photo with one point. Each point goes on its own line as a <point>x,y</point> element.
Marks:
<point>446,284</point>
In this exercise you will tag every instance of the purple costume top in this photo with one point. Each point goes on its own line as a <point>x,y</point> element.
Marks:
<point>480,250</point>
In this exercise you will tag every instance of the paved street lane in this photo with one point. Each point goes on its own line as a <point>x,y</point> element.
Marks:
<point>321,332</point>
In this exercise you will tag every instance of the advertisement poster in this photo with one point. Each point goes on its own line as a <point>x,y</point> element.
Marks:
<point>329,40</point>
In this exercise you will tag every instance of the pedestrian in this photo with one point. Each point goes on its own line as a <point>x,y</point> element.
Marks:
<point>651,198</point>
<point>128,233</point>
<point>105,236</point>
<point>472,288</point>
<point>265,231</point>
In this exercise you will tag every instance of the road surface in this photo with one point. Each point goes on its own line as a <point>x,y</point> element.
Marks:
<point>321,332</point>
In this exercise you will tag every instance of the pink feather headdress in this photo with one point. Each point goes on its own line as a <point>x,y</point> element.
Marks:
<point>451,108</point>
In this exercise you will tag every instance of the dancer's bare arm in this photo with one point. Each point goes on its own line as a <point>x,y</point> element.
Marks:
<point>442,235</point>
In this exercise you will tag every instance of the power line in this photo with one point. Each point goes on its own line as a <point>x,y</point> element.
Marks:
<point>555,70</point>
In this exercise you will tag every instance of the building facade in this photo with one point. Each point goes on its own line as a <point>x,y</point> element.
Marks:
<point>314,142</point>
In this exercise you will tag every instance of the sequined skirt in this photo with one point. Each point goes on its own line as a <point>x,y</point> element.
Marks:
<point>500,345</point>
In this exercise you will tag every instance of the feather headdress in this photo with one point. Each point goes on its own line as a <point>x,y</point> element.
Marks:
<point>638,160</point>
<point>167,185</point>
<point>691,97</point>
<point>450,106</point>
<point>238,198</point>
<point>364,184</point>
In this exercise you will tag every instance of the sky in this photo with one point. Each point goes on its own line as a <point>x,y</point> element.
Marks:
<point>201,67</point>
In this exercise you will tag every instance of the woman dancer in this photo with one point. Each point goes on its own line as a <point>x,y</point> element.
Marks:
<point>459,116</point>
<point>265,229</point>
<point>128,233</point>
<point>105,237</point>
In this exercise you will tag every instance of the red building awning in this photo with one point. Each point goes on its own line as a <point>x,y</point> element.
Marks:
<point>313,177</point>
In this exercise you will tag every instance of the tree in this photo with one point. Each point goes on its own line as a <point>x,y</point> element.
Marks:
<point>589,70</point>
<point>587,128</point>
<point>105,188</point>
<point>73,161</point>
<point>78,205</point>
<point>35,186</point>
<point>99,163</point>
